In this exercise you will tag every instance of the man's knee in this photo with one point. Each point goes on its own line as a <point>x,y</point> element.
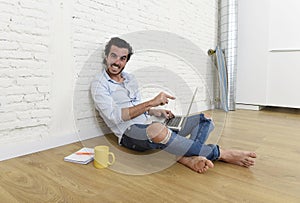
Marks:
<point>158,133</point>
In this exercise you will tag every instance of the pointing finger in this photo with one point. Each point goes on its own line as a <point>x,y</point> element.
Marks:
<point>170,96</point>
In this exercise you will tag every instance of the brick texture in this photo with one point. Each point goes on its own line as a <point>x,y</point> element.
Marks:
<point>25,78</point>
<point>26,74</point>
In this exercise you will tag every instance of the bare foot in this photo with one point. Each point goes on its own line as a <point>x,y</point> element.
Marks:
<point>197,163</point>
<point>238,157</point>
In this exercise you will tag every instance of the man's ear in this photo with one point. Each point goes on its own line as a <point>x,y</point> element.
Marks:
<point>105,60</point>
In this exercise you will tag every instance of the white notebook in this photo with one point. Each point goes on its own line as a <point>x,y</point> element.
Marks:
<point>83,156</point>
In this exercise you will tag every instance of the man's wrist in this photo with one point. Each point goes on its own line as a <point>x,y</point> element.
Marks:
<point>148,106</point>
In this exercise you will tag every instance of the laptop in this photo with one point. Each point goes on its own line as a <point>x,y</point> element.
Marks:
<point>178,122</point>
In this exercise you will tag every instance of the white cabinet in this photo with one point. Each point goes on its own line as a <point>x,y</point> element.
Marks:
<point>283,81</point>
<point>268,62</point>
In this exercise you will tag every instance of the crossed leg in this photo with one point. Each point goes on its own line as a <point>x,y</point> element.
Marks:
<point>159,134</point>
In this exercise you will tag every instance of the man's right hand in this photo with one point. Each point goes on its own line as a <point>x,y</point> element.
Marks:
<point>161,99</point>
<point>134,111</point>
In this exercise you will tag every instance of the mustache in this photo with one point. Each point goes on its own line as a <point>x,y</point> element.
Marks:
<point>115,65</point>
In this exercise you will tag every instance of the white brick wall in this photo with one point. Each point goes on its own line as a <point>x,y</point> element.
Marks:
<point>99,20</point>
<point>25,77</point>
<point>39,74</point>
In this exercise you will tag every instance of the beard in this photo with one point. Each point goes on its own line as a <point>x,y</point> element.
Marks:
<point>114,69</point>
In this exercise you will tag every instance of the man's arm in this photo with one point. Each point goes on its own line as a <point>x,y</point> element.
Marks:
<point>134,111</point>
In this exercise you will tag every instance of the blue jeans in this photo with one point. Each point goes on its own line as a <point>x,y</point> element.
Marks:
<point>197,126</point>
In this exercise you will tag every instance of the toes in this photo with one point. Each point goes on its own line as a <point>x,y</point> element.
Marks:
<point>209,164</point>
<point>200,171</point>
<point>252,154</point>
<point>247,162</point>
<point>250,161</point>
<point>203,170</point>
<point>196,163</point>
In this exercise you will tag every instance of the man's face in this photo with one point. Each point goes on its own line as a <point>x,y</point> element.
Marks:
<point>116,60</point>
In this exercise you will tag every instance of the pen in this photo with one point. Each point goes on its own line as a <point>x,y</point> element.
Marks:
<point>84,153</point>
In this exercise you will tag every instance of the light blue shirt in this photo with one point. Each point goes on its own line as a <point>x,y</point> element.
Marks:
<point>110,97</point>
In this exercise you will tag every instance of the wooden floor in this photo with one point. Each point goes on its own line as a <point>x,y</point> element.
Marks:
<point>273,133</point>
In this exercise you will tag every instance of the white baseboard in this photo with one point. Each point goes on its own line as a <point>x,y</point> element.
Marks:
<point>12,150</point>
<point>249,107</point>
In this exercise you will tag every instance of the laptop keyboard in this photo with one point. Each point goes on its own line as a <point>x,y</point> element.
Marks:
<point>173,121</point>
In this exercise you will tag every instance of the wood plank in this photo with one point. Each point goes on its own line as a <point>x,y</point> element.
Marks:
<point>273,133</point>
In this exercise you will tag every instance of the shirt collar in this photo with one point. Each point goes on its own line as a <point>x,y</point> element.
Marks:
<point>124,75</point>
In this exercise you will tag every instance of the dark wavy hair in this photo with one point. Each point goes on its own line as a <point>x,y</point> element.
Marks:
<point>116,41</point>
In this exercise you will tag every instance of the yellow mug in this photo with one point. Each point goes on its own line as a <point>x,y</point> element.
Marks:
<point>101,156</point>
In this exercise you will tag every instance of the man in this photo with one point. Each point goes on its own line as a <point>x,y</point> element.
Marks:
<point>116,97</point>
